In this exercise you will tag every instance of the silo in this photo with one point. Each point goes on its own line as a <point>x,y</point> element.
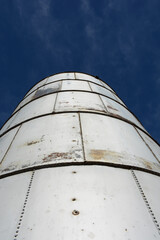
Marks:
<point>77,164</point>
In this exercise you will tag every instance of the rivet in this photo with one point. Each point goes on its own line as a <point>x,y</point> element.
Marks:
<point>75,212</point>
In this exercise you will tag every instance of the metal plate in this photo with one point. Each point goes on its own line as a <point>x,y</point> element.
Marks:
<point>41,83</point>
<point>8,123</point>
<point>38,107</point>
<point>153,145</point>
<point>5,142</point>
<point>111,140</point>
<point>103,91</point>
<point>26,100</point>
<point>151,188</point>
<point>107,205</point>
<point>49,88</point>
<point>119,111</point>
<point>42,91</point>
<point>67,101</point>
<point>106,85</point>
<point>60,76</point>
<point>12,195</point>
<point>75,85</point>
<point>51,139</point>
<point>83,76</point>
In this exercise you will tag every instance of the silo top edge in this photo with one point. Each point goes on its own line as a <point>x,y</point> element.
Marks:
<point>97,77</point>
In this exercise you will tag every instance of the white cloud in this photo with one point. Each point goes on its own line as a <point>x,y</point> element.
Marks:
<point>42,26</point>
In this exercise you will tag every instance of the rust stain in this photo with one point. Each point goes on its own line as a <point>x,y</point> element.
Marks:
<point>103,154</point>
<point>36,141</point>
<point>55,155</point>
<point>62,102</point>
<point>112,108</point>
<point>148,165</point>
<point>33,142</point>
<point>121,158</point>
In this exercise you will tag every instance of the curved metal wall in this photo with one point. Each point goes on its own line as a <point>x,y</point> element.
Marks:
<point>77,164</point>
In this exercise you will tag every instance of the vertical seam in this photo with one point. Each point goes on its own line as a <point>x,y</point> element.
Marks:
<point>146,201</point>
<point>24,206</point>
<point>147,145</point>
<point>56,98</point>
<point>81,133</point>
<point>100,98</point>
<point>10,144</point>
<point>90,86</point>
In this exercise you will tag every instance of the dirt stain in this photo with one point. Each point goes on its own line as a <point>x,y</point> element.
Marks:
<point>112,108</point>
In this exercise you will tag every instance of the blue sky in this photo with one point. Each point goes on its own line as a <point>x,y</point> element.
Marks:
<point>118,40</point>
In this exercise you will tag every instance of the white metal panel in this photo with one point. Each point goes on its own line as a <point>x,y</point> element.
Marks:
<point>153,145</point>
<point>106,85</point>
<point>83,76</point>
<point>41,83</point>
<point>8,123</point>
<point>5,142</point>
<point>107,200</point>
<point>102,90</point>
<point>12,195</point>
<point>50,139</point>
<point>151,188</point>
<point>111,140</point>
<point>35,108</point>
<point>119,100</point>
<point>42,91</point>
<point>120,111</point>
<point>67,101</point>
<point>61,76</point>
<point>26,100</point>
<point>75,85</point>
<point>49,88</point>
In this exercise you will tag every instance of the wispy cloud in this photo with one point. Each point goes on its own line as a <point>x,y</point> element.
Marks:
<point>43,26</point>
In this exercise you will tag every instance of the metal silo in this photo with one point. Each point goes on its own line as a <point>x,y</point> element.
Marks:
<point>77,164</point>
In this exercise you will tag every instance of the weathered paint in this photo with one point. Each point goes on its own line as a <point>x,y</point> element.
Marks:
<point>12,195</point>
<point>40,142</point>
<point>102,90</point>
<point>78,101</point>
<point>35,108</point>
<point>40,84</point>
<point>59,126</point>
<point>121,143</point>
<point>83,76</point>
<point>108,205</point>
<point>118,110</point>
<point>61,76</point>
<point>75,85</point>
<point>151,144</point>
